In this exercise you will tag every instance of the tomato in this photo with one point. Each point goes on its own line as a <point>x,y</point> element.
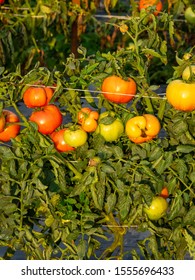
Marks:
<point>157,209</point>
<point>83,114</point>
<point>181,95</point>
<point>117,90</point>
<point>89,125</point>
<point>37,96</point>
<point>48,119</point>
<point>188,72</point>
<point>189,15</point>
<point>109,127</point>
<point>2,122</point>
<point>164,192</point>
<point>141,129</point>
<point>2,2</point>
<point>146,4</point>
<point>59,142</point>
<point>10,130</point>
<point>75,137</point>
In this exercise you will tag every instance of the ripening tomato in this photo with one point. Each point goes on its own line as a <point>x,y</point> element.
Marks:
<point>109,126</point>
<point>144,128</point>
<point>188,72</point>
<point>11,129</point>
<point>48,118</point>
<point>75,137</point>
<point>146,4</point>
<point>2,122</point>
<point>157,209</point>
<point>59,142</point>
<point>181,95</point>
<point>117,90</point>
<point>164,192</point>
<point>37,96</point>
<point>83,114</point>
<point>89,125</point>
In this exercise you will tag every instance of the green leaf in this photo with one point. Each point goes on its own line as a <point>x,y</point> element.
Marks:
<point>176,206</point>
<point>189,218</point>
<point>110,203</point>
<point>185,149</point>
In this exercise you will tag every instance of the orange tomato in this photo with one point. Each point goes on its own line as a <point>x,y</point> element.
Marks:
<point>83,114</point>
<point>144,128</point>
<point>89,125</point>
<point>117,90</point>
<point>164,192</point>
<point>37,96</point>
<point>11,130</point>
<point>59,142</point>
<point>145,4</point>
<point>181,95</point>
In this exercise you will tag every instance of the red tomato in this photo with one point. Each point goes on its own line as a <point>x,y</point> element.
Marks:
<point>59,142</point>
<point>2,2</point>
<point>117,90</point>
<point>37,96</point>
<point>10,130</point>
<point>48,119</point>
<point>164,192</point>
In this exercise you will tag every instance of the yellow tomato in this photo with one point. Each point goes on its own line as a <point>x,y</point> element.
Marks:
<point>181,95</point>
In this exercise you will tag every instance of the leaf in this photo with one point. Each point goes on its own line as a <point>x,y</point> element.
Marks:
<point>176,207</point>
<point>110,203</point>
<point>189,218</point>
<point>49,220</point>
<point>185,149</point>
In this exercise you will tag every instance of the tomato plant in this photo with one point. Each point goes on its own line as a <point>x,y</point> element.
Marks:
<point>75,137</point>
<point>140,129</point>
<point>110,127</point>
<point>11,130</point>
<point>59,142</point>
<point>83,204</point>
<point>118,90</point>
<point>48,119</point>
<point>181,95</point>
<point>145,4</point>
<point>37,96</point>
<point>157,209</point>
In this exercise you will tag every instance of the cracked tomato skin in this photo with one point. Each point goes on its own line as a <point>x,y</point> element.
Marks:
<point>141,129</point>
<point>48,119</point>
<point>117,90</point>
<point>157,209</point>
<point>145,4</point>
<point>59,142</point>
<point>181,95</point>
<point>11,129</point>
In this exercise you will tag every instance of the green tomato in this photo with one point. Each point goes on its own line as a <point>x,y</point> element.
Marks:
<point>75,138</point>
<point>111,132</point>
<point>190,15</point>
<point>157,209</point>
